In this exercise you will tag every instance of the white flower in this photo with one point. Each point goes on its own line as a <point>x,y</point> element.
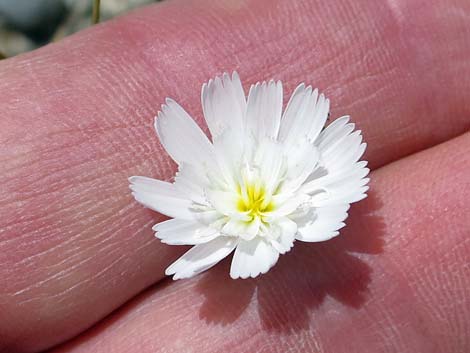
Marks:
<point>263,182</point>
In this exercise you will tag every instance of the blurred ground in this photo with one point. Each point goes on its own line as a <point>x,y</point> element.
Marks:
<point>28,24</point>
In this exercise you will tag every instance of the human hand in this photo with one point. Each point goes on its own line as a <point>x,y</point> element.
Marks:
<point>77,121</point>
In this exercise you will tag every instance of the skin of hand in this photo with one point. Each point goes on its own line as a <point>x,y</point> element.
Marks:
<point>77,121</point>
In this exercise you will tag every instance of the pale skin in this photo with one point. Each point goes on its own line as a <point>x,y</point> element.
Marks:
<point>77,121</point>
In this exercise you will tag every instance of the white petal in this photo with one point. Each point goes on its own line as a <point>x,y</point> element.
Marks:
<point>305,115</point>
<point>348,197</point>
<point>323,180</point>
<point>201,257</point>
<point>321,223</point>
<point>319,117</point>
<point>335,132</point>
<point>160,196</point>
<point>243,229</point>
<point>339,174</point>
<point>228,154</point>
<point>264,109</point>
<point>224,105</point>
<point>270,159</point>
<point>287,231</point>
<point>224,202</point>
<point>347,192</point>
<point>182,232</point>
<point>343,149</point>
<point>206,215</point>
<point>252,258</point>
<point>181,136</point>
<point>294,121</point>
<point>190,180</point>
<point>285,205</point>
<point>302,158</point>
<point>322,177</point>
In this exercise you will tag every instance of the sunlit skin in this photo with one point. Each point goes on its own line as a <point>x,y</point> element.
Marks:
<point>77,122</point>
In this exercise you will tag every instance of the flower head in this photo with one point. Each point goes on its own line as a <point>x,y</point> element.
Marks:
<point>266,179</point>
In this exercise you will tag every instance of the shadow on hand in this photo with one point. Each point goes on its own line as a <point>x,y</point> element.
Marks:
<point>289,293</point>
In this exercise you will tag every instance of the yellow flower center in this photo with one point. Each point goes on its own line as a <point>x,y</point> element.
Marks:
<point>254,200</point>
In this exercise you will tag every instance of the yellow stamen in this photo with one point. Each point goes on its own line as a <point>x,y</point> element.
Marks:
<point>254,200</point>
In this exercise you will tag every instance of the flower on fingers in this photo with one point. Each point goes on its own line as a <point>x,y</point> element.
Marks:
<point>265,178</point>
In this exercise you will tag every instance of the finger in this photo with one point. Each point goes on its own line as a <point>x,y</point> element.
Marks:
<point>78,115</point>
<point>396,280</point>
